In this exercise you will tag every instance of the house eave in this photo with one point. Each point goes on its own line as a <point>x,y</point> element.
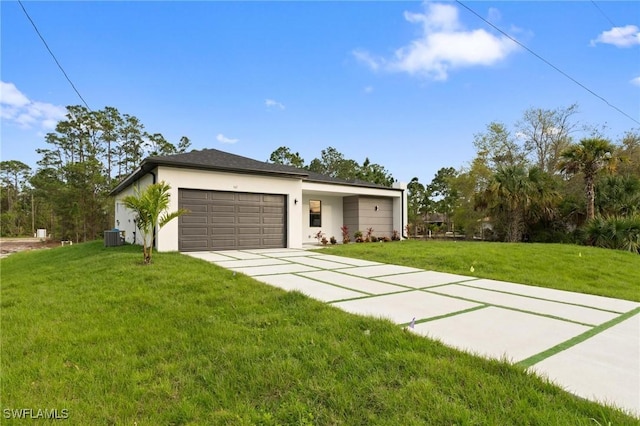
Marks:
<point>151,163</point>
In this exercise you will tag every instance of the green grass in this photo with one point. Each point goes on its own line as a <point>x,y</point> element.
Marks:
<point>591,270</point>
<point>90,330</point>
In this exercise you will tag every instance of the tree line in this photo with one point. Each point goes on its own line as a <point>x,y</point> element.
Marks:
<point>90,152</point>
<point>334,164</point>
<point>86,155</point>
<point>532,181</point>
<point>536,182</point>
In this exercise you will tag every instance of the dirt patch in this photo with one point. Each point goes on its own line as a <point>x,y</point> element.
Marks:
<point>13,245</point>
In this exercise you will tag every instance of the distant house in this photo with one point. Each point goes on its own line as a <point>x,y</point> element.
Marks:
<point>236,202</point>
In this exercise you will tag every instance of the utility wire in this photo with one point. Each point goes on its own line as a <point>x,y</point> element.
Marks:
<point>613,25</point>
<point>53,56</point>
<point>603,14</point>
<point>548,63</point>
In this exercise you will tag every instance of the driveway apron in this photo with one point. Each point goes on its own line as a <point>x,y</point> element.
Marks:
<point>588,345</point>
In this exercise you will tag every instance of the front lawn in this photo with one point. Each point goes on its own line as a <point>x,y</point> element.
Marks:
<point>592,270</point>
<point>90,330</point>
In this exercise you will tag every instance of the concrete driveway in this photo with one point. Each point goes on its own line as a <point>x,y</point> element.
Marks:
<point>588,345</point>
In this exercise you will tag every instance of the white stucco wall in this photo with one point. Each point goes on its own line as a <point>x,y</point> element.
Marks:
<point>400,215</point>
<point>235,182</point>
<point>331,216</point>
<point>298,229</point>
<point>332,192</point>
<point>124,217</point>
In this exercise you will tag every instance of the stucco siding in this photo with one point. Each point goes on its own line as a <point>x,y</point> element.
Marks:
<point>331,212</point>
<point>124,218</point>
<point>233,182</point>
<point>362,213</point>
<point>353,206</point>
<point>377,213</point>
<point>346,190</point>
<point>351,214</point>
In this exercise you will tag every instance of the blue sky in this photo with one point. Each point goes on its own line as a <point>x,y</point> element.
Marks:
<point>407,84</point>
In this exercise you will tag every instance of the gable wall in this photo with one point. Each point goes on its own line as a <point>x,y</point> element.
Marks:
<point>210,180</point>
<point>124,218</point>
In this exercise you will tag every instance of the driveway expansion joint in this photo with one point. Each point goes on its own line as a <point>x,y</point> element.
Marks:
<point>549,331</point>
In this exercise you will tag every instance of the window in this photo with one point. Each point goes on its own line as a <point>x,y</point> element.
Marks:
<point>315,216</point>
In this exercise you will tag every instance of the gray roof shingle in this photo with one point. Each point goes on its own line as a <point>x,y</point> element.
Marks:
<point>213,159</point>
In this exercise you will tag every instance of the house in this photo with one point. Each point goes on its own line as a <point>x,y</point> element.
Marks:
<point>236,202</point>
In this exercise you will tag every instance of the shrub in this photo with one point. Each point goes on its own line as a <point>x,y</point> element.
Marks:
<point>367,237</point>
<point>345,234</point>
<point>621,233</point>
<point>395,236</point>
<point>333,240</point>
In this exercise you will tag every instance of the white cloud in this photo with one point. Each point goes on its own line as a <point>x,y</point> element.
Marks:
<point>444,45</point>
<point>273,104</point>
<point>367,59</point>
<point>635,81</point>
<point>626,36</point>
<point>17,108</point>
<point>10,95</point>
<point>368,89</point>
<point>223,139</point>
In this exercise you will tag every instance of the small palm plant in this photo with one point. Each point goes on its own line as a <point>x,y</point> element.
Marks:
<point>150,207</point>
<point>622,233</point>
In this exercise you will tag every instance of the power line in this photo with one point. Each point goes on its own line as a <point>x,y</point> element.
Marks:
<point>603,14</point>
<point>53,56</point>
<point>548,63</point>
<point>615,28</point>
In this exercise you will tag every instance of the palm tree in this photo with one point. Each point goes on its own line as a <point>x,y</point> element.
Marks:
<point>543,196</point>
<point>618,195</point>
<point>517,197</point>
<point>589,156</point>
<point>506,198</point>
<point>150,208</point>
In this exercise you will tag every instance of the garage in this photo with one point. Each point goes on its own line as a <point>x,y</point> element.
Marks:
<point>221,220</point>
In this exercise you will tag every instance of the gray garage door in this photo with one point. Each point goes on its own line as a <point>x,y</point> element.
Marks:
<point>220,220</point>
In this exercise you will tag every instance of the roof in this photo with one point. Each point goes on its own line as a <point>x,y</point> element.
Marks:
<point>213,159</point>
